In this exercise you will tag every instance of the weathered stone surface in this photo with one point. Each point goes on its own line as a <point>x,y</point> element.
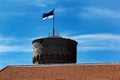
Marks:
<point>54,50</point>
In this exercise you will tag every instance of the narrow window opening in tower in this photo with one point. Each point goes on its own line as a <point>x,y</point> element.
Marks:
<point>37,57</point>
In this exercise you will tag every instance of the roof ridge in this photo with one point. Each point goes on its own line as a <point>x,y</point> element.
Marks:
<point>104,63</point>
<point>33,65</point>
<point>24,65</point>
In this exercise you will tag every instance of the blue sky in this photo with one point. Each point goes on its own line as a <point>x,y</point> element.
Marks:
<point>94,24</point>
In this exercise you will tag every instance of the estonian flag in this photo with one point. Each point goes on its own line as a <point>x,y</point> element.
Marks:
<point>48,15</point>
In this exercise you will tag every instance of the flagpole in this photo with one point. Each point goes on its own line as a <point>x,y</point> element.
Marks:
<point>53,23</point>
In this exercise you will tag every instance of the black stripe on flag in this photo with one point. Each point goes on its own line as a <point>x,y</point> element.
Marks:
<point>48,15</point>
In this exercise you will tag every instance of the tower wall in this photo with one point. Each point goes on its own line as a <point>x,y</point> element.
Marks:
<point>54,50</point>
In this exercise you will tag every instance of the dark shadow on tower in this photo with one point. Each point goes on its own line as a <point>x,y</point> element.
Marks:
<point>54,50</point>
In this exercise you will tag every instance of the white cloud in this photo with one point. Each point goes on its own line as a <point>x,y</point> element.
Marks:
<point>41,3</point>
<point>86,42</point>
<point>15,45</point>
<point>89,42</point>
<point>91,12</point>
<point>6,15</point>
<point>6,48</point>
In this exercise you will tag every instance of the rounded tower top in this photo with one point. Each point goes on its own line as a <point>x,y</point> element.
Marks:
<point>53,50</point>
<point>53,37</point>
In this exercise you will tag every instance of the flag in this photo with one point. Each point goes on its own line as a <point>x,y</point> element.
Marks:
<point>48,15</point>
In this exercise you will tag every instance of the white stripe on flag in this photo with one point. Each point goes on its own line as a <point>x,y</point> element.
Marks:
<point>50,16</point>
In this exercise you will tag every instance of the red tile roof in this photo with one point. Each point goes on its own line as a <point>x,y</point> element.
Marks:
<point>62,72</point>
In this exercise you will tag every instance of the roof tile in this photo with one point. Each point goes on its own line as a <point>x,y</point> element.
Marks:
<point>62,72</point>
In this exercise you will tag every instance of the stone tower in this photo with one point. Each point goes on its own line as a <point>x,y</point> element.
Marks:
<point>54,50</point>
